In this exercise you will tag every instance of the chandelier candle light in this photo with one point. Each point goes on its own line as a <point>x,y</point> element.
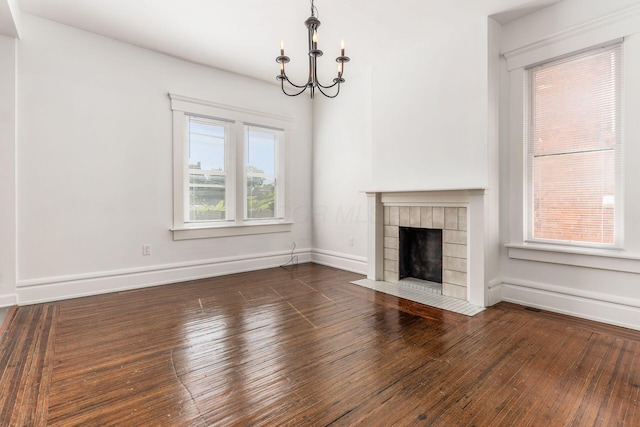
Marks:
<point>312,24</point>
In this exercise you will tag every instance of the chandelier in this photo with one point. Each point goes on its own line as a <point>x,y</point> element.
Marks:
<point>312,23</point>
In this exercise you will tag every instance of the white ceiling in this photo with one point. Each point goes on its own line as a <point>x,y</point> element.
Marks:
<point>243,36</point>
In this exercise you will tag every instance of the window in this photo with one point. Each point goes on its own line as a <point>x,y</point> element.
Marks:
<point>573,149</point>
<point>261,163</point>
<point>229,170</point>
<point>208,165</point>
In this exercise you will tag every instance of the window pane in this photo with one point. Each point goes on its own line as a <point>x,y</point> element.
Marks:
<point>206,146</point>
<point>574,196</point>
<point>260,152</point>
<point>573,144</point>
<point>206,202</point>
<point>209,180</point>
<point>575,105</point>
<point>260,198</point>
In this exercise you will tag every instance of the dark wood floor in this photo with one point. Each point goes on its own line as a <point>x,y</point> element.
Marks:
<point>305,347</point>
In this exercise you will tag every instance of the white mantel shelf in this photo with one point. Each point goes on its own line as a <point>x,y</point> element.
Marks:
<point>423,190</point>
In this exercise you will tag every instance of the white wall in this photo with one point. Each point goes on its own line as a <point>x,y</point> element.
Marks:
<point>95,168</point>
<point>599,285</point>
<point>556,19</point>
<point>493,247</point>
<point>7,170</point>
<point>341,171</point>
<point>420,121</point>
<point>430,113</point>
<point>9,18</point>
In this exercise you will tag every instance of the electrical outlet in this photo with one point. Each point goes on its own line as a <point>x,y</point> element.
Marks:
<point>146,249</point>
<point>350,241</point>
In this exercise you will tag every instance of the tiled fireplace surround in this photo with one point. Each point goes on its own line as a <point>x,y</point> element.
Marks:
<point>453,223</point>
<point>458,213</point>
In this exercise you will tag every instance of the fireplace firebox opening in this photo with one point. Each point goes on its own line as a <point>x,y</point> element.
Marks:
<point>420,254</point>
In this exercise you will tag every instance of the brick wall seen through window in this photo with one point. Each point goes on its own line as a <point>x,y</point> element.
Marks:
<point>573,144</point>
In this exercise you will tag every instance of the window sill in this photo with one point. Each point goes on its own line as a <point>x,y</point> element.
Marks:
<point>212,231</point>
<point>603,259</point>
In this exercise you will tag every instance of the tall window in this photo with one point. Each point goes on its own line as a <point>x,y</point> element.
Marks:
<point>207,169</point>
<point>573,112</point>
<point>261,164</point>
<point>228,170</point>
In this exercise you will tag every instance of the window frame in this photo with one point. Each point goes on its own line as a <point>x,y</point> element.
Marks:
<point>528,148</point>
<point>517,54</point>
<point>235,223</point>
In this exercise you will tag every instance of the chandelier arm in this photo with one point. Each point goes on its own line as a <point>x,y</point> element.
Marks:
<point>320,86</point>
<point>330,86</point>
<point>293,84</point>
<point>292,94</point>
<point>330,96</point>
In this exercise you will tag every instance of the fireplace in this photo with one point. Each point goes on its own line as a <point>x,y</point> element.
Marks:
<point>450,222</point>
<point>457,215</point>
<point>420,254</point>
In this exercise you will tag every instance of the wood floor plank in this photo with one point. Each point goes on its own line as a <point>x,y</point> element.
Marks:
<point>26,366</point>
<point>303,347</point>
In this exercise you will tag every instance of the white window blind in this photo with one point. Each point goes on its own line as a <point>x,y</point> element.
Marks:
<point>574,148</point>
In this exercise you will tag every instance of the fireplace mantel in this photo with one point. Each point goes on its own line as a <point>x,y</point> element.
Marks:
<point>423,190</point>
<point>470,198</point>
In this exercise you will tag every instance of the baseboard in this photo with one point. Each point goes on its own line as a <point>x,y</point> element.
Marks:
<point>600,307</point>
<point>355,264</point>
<point>8,300</point>
<point>65,287</point>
